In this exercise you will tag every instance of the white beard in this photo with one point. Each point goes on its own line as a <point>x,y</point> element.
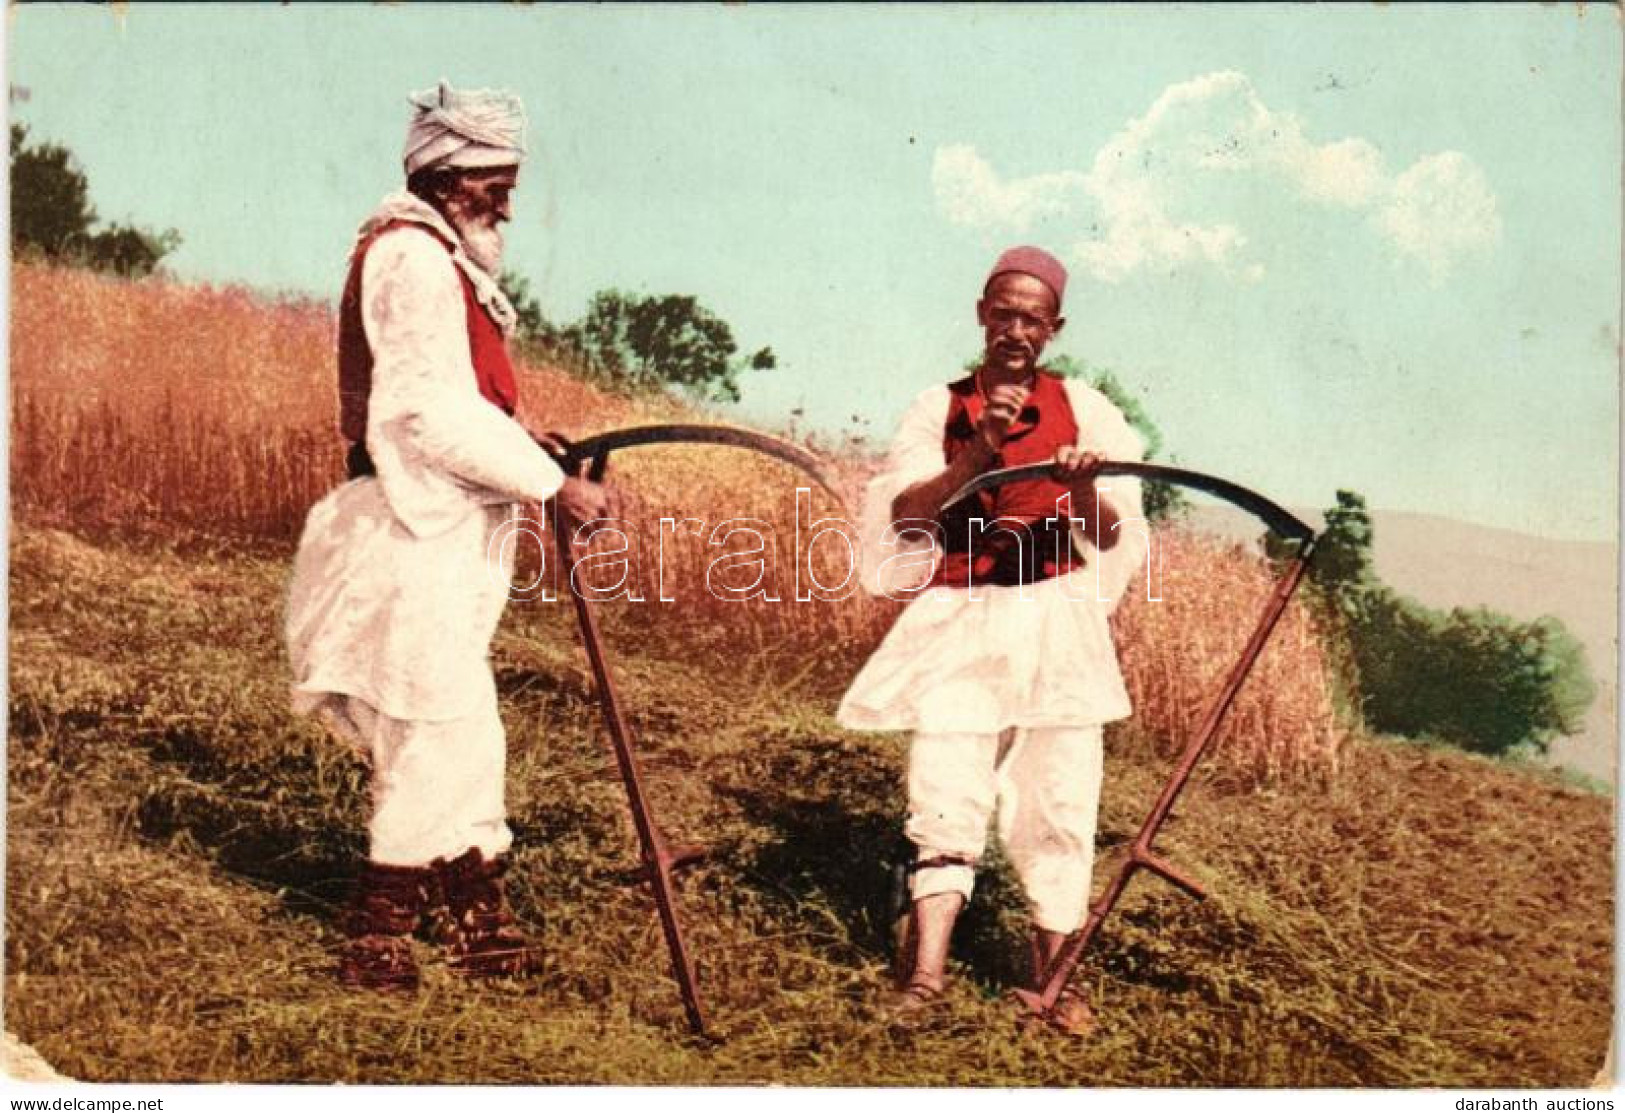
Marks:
<point>483,243</point>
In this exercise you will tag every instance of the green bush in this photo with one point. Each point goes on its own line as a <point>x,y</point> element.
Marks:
<point>1479,679</point>
<point>639,345</point>
<point>1473,677</point>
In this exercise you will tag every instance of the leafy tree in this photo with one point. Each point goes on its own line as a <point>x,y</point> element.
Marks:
<point>539,338</point>
<point>532,324</point>
<point>639,343</point>
<point>127,250</point>
<point>50,198</point>
<point>1343,560</point>
<point>671,340</point>
<point>1343,569</point>
<point>51,215</point>
<point>1479,679</point>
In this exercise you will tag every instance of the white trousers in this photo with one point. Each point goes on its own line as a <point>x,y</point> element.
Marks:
<point>437,787</point>
<point>1047,794</point>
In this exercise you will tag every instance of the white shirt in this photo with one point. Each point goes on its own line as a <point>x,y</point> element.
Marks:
<point>394,595</point>
<point>987,658</point>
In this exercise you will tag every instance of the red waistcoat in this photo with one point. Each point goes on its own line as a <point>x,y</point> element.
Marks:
<point>990,555</point>
<point>487,350</point>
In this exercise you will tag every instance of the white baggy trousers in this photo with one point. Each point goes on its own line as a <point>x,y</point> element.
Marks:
<point>437,787</point>
<point>1046,791</point>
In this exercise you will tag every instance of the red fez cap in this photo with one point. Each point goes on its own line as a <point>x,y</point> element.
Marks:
<point>1036,262</point>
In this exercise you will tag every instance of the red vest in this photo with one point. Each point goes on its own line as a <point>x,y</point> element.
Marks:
<point>487,350</point>
<point>989,554</point>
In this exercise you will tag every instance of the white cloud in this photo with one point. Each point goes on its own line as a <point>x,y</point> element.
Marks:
<point>1348,172</point>
<point>1440,209</point>
<point>1155,194</point>
<point>1139,235</point>
<point>970,192</point>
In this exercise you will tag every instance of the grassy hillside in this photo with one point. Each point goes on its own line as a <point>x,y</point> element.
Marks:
<point>178,848</point>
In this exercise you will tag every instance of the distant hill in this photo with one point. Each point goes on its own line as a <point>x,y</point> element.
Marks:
<point>1447,563</point>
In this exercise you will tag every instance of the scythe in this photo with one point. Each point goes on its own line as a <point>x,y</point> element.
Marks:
<point>1141,854</point>
<point>659,860</point>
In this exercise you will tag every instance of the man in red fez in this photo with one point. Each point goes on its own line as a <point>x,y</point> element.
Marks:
<point>1002,665</point>
<point>397,587</point>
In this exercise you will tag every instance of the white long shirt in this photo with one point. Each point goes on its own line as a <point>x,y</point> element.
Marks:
<point>394,596</point>
<point>987,658</point>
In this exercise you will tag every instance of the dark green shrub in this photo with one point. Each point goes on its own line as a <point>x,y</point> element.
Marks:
<point>1479,679</point>
<point>51,215</point>
<point>1473,677</point>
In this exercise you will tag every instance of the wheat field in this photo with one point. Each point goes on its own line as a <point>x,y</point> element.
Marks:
<point>156,407</point>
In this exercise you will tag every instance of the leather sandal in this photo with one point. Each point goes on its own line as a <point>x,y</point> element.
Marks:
<point>913,1004</point>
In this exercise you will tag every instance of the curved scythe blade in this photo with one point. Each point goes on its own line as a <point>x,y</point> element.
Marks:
<point>600,446</point>
<point>1274,515</point>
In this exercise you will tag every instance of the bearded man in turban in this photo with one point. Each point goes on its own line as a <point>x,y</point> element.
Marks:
<point>1002,665</point>
<point>397,587</point>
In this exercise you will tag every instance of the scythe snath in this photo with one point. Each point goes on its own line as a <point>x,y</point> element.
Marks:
<point>659,860</point>
<point>1141,855</point>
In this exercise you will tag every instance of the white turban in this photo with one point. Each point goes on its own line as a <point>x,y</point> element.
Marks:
<point>464,128</point>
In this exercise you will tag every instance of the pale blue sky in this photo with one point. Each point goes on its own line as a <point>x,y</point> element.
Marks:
<point>1356,247</point>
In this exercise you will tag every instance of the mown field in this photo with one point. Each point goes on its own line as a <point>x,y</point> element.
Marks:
<point>179,846</point>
